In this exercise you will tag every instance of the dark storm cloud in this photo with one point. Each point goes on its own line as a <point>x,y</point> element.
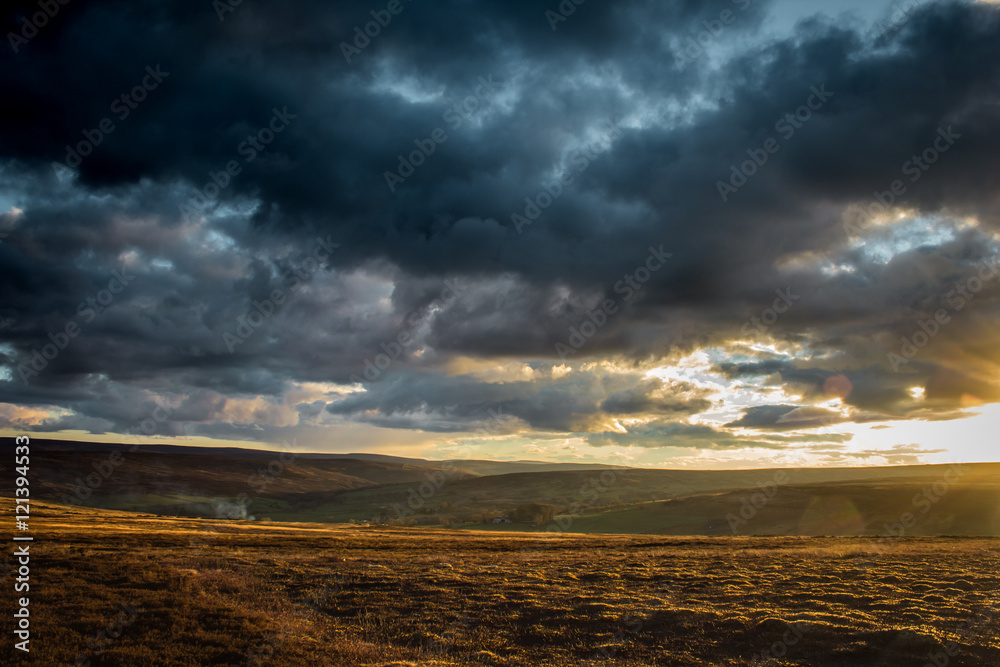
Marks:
<point>654,396</point>
<point>762,415</point>
<point>672,434</point>
<point>583,401</point>
<point>322,176</point>
<point>786,417</point>
<point>328,169</point>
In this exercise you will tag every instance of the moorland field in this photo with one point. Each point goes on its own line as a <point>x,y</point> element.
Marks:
<point>120,589</point>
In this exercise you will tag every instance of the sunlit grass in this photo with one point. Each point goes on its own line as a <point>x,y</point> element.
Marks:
<point>225,593</point>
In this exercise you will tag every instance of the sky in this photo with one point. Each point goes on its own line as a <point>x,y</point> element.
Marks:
<point>696,234</point>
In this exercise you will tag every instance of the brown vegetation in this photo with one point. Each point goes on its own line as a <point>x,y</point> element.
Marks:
<point>237,593</point>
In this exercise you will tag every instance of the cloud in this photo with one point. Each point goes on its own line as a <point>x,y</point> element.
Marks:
<point>583,401</point>
<point>683,130</point>
<point>660,434</point>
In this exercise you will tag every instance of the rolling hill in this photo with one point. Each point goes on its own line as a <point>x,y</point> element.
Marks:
<point>242,484</point>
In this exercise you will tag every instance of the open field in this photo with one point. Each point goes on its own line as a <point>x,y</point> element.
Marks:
<point>205,592</point>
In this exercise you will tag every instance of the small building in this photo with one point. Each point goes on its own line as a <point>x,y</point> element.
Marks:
<point>502,519</point>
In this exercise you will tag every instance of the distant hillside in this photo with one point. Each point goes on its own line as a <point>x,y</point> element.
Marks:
<point>589,490</point>
<point>478,467</point>
<point>193,481</point>
<point>887,508</point>
<point>244,483</point>
<point>205,481</point>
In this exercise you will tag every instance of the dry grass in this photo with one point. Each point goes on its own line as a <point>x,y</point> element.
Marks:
<point>303,594</point>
